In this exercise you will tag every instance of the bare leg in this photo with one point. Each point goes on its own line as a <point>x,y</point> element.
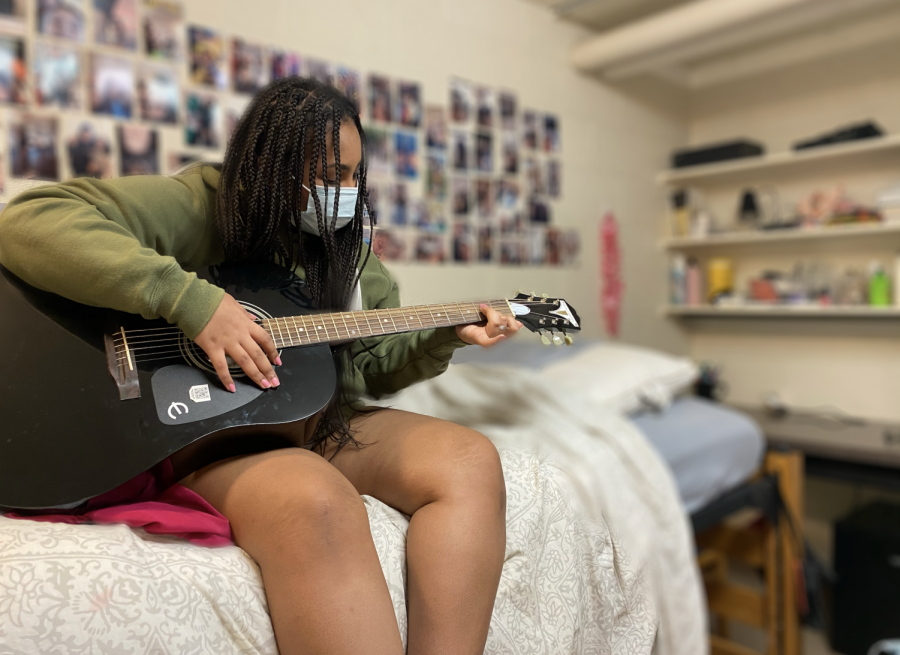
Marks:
<point>306,527</point>
<point>449,480</point>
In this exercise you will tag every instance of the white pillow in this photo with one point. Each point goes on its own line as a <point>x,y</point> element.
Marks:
<point>624,378</point>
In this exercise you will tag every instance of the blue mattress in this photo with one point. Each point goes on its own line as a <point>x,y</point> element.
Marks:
<point>711,449</point>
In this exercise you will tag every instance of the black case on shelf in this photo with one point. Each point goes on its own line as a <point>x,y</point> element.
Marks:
<point>715,153</point>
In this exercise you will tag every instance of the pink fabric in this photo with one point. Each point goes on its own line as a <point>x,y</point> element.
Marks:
<point>154,502</point>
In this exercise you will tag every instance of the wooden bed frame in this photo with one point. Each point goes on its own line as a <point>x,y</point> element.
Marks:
<point>763,541</point>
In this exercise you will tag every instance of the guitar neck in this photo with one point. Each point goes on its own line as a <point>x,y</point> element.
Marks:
<point>312,329</point>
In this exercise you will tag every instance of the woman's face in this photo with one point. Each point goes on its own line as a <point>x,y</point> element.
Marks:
<point>351,159</point>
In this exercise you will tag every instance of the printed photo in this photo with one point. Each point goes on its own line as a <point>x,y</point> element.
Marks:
<point>530,130</point>
<point>234,107</point>
<point>552,247</point>
<point>12,21</point>
<point>319,70</point>
<point>484,200</point>
<point>431,248</point>
<point>13,76</point>
<point>61,18</point>
<point>248,66</point>
<point>175,161</point>
<point>510,153</point>
<point>484,100</point>
<point>112,86</point>
<point>484,153</point>
<point>507,194</point>
<point>378,150</point>
<point>406,154</point>
<point>538,210</point>
<point>511,223</point>
<point>348,83</point>
<point>436,176</point>
<point>570,247</point>
<point>461,150</point>
<point>158,94</point>
<point>510,251</point>
<point>379,98</point>
<point>553,178</point>
<point>461,101</point>
<point>485,243</point>
<point>208,66</point>
<point>379,201</point>
<point>460,199</point>
<point>32,147</point>
<point>284,64</point>
<point>138,150</point>
<point>429,217</point>
<point>507,104</point>
<point>164,29</point>
<point>116,23</point>
<point>401,209</point>
<point>389,245</point>
<point>89,149</point>
<point>202,120</point>
<point>435,127</point>
<point>534,177</point>
<point>408,111</point>
<point>537,243</point>
<point>551,134</point>
<point>462,243</point>
<point>57,76</point>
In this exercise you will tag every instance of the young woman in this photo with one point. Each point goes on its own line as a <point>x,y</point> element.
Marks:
<point>292,189</point>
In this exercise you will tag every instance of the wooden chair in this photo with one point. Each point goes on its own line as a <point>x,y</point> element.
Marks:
<point>748,538</point>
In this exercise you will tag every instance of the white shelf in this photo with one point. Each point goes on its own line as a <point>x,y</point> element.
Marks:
<point>743,169</point>
<point>875,231</point>
<point>781,311</point>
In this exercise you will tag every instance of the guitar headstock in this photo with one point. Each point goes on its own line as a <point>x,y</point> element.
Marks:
<point>552,318</point>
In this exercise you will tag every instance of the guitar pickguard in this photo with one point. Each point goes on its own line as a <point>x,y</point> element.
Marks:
<point>184,394</point>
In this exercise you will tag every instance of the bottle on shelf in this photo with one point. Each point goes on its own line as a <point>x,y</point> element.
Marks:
<point>677,280</point>
<point>879,286</point>
<point>694,283</point>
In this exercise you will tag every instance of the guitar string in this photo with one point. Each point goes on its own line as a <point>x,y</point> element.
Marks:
<point>177,351</point>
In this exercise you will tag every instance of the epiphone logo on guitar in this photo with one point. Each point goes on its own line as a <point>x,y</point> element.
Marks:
<point>175,408</point>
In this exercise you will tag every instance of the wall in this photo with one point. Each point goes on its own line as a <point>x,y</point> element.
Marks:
<point>851,365</point>
<point>613,140</point>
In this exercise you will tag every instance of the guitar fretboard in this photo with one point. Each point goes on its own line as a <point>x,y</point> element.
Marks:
<point>345,326</point>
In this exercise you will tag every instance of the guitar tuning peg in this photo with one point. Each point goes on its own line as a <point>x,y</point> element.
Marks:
<point>545,337</point>
<point>544,296</point>
<point>568,340</point>
<point>556,338</point>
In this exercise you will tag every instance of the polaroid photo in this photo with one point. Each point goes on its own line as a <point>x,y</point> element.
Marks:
<point>348,83</point>
<point>319,70</point>
<point>284,64</point>
<point>431,248</point>
<point>436,127</point>
<point>57,76</point>
<point>64,19</point>
<point>537,245</point>
<point>408,110</point>
<point>507,194</point>
<point>484,101</point>
<point>164,29</point>
<point>406,154</point>
<point>551,134</point>
<point>484,152</point>
<point>13,82</point>
<point>534,177</point>
<point>379,98</point>
<point>530,130</point>
<point>462,243</point>
<point>378,150</point>
<point>510,251</point>
<point>249,68</point>
<point>389,245</point>
<point>554,178</point>
<point>138,150</point>
<point>508,106</point>
<point>202,121</point>
<point>486,244</point>
<point>462,149</point>
<point>511,223</point>
<point>552,247</point>
<point>436,176</point>
<point>379,202</point>
<point>401,205</point>
<point>175,161</point>
<point>462,100</point>
<point>570,247</point>
<point>430,216</point>
<point>460,200</point>
<point>484,199</point>
<point>32,147</point>
<point>538,210</point>
<point>116,23</point>
<point>12,18</point>
<point>233,109</point>
<point>112,86</point>
<point>159,95</point>
<point>510,154</point>
<point>88,147</point>
<point>207,62</point>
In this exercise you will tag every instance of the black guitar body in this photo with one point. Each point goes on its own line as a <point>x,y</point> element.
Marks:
<point>67,435</point>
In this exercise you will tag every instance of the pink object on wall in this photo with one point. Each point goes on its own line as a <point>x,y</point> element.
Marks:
<point>611,285</point>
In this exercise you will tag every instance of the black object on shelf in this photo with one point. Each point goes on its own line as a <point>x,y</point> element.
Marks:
<point>867,130</point>
<point>867,594</point>
<point>714,153</point>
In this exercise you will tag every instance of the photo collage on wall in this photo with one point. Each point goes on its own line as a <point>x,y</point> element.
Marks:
<point>101,88</point>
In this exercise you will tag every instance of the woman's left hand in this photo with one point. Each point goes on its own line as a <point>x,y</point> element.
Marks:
<point>495,329</point>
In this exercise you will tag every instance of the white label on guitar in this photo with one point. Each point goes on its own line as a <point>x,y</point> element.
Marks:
<point>200,393</point>
<point>519,310</point>
<point>565,313</point>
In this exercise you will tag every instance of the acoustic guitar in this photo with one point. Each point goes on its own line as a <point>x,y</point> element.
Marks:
<point>91,397</point>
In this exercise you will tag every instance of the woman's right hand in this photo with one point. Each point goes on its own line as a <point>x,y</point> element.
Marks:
<point>233,331</point>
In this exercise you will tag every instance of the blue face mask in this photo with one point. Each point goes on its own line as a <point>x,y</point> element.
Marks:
<point>346,208</point>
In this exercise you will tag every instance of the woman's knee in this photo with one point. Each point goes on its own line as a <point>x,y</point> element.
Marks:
<point>475,474</point>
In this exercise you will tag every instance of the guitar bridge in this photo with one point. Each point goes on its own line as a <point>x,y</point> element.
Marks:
<point>120,361</point>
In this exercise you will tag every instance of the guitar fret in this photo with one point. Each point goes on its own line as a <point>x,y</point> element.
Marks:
<point>278,324</point>
<point>297,329</point>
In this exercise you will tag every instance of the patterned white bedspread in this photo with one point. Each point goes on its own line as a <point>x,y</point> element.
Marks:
<point>566,588</point>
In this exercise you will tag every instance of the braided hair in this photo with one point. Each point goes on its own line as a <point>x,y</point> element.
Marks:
<point>258,203</point>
